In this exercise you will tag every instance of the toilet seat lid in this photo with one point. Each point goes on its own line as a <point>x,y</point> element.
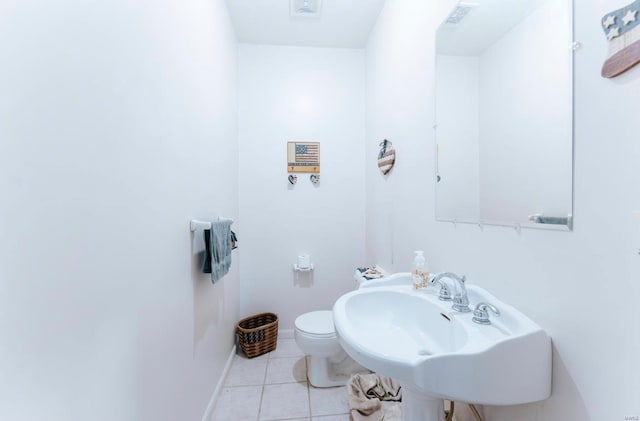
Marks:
<point>319,323</point>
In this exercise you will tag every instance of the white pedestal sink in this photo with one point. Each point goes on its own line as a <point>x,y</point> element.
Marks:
<point>436,353</point>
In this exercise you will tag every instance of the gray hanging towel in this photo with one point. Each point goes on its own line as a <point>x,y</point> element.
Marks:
<point>206,264</point>
<point>220,249</point>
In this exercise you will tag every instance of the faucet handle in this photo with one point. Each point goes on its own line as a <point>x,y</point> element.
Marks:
<point>445,291</point>
<point>481,313</point>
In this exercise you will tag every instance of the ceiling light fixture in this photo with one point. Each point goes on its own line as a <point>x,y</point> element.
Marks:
<point>305,8</point>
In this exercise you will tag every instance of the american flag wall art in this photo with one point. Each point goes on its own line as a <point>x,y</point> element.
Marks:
<point>622,29</point>
<point>303,157</point>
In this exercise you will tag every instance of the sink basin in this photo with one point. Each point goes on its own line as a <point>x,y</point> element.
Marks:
<point>437,353</point>
<point>394,327</point>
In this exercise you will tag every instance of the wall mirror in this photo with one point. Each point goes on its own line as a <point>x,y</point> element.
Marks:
<point>504,114</point>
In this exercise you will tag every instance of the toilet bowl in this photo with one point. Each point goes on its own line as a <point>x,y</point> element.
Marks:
<point>327,363</point>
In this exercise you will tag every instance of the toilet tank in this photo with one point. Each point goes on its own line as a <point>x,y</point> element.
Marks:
<point>400,278</point>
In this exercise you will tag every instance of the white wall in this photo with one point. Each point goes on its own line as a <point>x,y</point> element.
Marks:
<point>581,286</point>
<point>310,94</point>
<point>117,125</point>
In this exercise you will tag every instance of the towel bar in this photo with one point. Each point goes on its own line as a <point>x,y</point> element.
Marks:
<point>195,225</point>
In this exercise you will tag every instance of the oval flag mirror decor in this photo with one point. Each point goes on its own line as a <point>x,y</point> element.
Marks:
<point>386,157</point>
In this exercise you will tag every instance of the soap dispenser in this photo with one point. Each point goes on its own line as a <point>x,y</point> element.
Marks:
<point>419,272</point>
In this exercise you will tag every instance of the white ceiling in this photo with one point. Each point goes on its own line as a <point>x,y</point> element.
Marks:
<point>341,24</point>
<point>487,21</point>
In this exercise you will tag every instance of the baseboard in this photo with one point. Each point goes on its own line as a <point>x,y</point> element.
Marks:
<point>208,415</point>
<point>285,334</point>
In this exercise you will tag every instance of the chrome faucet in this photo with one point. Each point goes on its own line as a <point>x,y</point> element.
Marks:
<point>460,298</point>
<point>445,291</point>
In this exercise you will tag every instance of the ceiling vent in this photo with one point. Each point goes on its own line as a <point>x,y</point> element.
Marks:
<point>306,8</point>
<point>460,12</point>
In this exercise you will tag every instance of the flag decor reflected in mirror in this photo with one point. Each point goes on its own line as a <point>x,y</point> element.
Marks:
<point>386,157</point>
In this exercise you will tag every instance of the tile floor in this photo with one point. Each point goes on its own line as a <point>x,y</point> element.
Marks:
<point>274,387</point>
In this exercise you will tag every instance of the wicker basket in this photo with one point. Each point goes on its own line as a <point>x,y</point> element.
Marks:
<point>258,334</point>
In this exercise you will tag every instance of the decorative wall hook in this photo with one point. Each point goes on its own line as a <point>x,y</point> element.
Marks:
<point>293,179</point>
<point>315,178</point>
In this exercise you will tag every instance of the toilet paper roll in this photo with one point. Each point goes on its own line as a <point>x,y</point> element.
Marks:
<point>304,261</point>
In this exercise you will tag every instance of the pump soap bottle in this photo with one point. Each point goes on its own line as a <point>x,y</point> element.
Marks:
<point>419,272</point>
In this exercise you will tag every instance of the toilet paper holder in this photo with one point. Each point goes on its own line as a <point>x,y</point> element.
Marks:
<point>299,269</point>
<point>304,263</point>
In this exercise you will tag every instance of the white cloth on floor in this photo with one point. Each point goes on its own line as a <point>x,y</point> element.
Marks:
<point>366,395</point>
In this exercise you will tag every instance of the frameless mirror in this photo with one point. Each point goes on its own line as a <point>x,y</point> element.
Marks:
<point>504,113</point>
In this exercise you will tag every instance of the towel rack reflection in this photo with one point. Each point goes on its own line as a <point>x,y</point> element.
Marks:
<point>539,218</point>
<point>195,225</point>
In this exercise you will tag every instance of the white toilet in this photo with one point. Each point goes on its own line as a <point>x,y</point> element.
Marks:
<point>327,363</point>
